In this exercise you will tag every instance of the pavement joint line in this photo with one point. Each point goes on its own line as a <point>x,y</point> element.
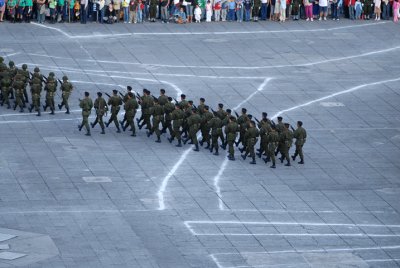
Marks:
<point>374,52</point>
<point>203,33</point>
<point>164,184</point>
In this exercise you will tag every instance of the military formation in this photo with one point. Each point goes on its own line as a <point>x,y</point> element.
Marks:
<point>184,121</point>
<point>14,83</point>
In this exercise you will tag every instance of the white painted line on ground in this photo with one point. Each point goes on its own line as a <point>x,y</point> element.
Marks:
<point>300,234</point>
<point>313,211</point>
<point>334,95</point>
<point>88,36</point>
<point>214,256</point>
<point>73,211</point>
<point>375,52</point>
<point>11,54</point>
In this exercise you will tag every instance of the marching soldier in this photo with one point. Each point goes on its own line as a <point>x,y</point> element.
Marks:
<point>101,107</point>
<point>251,138</point>
<point>242,121</point>
<point>194,123</point>
<point>157,111</point>
<point>285,142</point>
<point>221,112</point>
<point>124,100</point>
<point>86,104</point>
<point>5,84</point>
<point>265,128</point>
<point>25,78</point>
<point>36,90</point>
<point>12,71</point>
<point>201,106</point>
<point>146,104</point>
<point>231,130</point>
<point>50,88</point>
<point>273,141</point>
<point>205,127</point>
<point>169,107</point>
<point>300,134</point>
<point>216,131</point>
<point>162,99</point>
<point>18,86</point>
<point>177,117</point>
<point>115,101</point>
<point>66,89</point>
<point>130,107</point>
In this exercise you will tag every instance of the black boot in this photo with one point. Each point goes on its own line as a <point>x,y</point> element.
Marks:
<point>158,140</point>
<point>21,110</point>
<point>52,112</point>
<point>254,161</point>
<point>301,162</point>
<point>67,112</point>
<point>288,164</point>
<point>244,156</point>
<point>179,144</point>
<point>201,143</point>
<point>170,139</point>
<point>91,124</point>
<point>185,141</point>
<point>31,108</point>
<point>133,134</point>
<point>196,149</point>
<point>223,146</point>
<point>38,113</point>
<point>273,165</point>
<point>107,124</point>
<point>294,157</point>
<point>231,158</point>
<point>148,133</point>
<point>59,106</point>
<point>44,107</point>
<point>80,127</point>
<point>88,133</point>
<point>118,130</point>
<point>216,152</point>
<point>102,131</point>
<point>208,146</point>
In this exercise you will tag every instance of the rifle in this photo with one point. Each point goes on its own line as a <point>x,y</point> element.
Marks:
<point>154,98</point>
<point>176,102</point>
<point>212,110</point>
<point>237,115</point>
<point>45,78</point>
<point>273,123</point>
<point>59,81</point>
<point>258,121</point>
<point>292,128</point>
<point>108,95</point>
<point>122,95</point>
<point>194,106</point>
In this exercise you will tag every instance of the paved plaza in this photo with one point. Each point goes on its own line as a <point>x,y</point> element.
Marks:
<point>67,200</point>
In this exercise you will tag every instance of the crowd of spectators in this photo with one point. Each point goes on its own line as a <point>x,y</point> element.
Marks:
<point>188,11</point>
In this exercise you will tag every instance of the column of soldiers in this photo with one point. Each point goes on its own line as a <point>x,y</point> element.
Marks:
<point>14,84</point>
<point>219,128</point>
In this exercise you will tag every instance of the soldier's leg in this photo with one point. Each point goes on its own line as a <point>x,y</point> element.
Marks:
<point>252,152</point>
<point>95,121</point>
<point>52,105</point>
<point>193,136</point>
<point>286,155</point>
<point>157,129</point>
<point>20,102</point>
<point>115,119</point>
<point>169,127</point>
<point>66,104</point>
<point>300,152</point>
<point>26,95</point>
<point>86,124</point>
<point>132,124</point>
<point>231,149</point>
<point>215,144</point>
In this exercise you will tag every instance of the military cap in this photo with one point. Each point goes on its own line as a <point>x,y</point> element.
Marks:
<point>244,110</point>
<point>190,102</point>
<point>286,124</point>
<point>169,99</point>
<point>65,78</point>
<point>86,94</point>
<point>264,114</point>
<point>155,100</point>
<point>24,66</point>
<point>36,70</point>
<point>162,91</point>
<point>228,111</point>
<point>177,105</point>
<point>250,116</point>
<point>252,122</point>
<point>299,123</point>
<point>202,99</point>
<point>144,90</point>
<point>115,91</point>
<point>129,88</point>
<point>206,107</point>
<point>220,105</point>
<point>183,96</point>
<point>99,94</point>
<point>130,94</point>
<point>280,118</point>
<point>51,74</point>
<point>232,118</point>
<point>11,63</point>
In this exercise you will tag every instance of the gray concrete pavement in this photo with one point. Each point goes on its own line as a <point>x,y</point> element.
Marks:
<point>116,201</point>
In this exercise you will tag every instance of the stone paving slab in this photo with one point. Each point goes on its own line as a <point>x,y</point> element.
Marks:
<point>341,208</point>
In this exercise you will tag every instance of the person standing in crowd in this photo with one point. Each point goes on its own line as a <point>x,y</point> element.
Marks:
<point>385,9</point>
<point>164,11</point>
<point>396,7</point>
<point>84,11</point>
<point>247,9</point>
<point>217,10</point>
<point>153,10</point>
<point>334,9</point>
<point>308,9</point>
<point>197,14</point>
<point>323,9</point>
<point>208,11</point>
<point>140,10</point>
<point>189,10</point>
<point>101,10</point>
<point>283,10</point>
<point>224,10</point>
<point>377,4</point>
<point>296,9</point>
<point>2,9</point>
<point>264,9</point>
<point>352,4</point>
<point>358,9</point>
<point>133,6</point>
<point>239,10</point>
<point>125,8</point>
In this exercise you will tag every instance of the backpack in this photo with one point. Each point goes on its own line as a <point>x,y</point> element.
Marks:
<point>1,3</point>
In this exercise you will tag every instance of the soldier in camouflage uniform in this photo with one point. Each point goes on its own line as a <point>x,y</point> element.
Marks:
<point>169,107</point>
<point>285,142</point>
<point>242,121</point>
<point>124,100</point>
<point>146,103</point>
<point>25,78</point>
<point>157,111</point>
<point>163,100</point>
<point>300,134</point>
<point>86,104</point>
<point>115,101</point>
<point>194,123</point>
<point>231,130</point>
<point>279,128</point>
<point>36,90</point>
<point>101,107</point>
<point>225,122</point>
<point>12,70</point>
<point>265,128</point>
<point>273,141</point>
<point>251,138</point>
<point>205,127</point>
<point>201,106</point>
<point>66,89</point>
<point>5,83</point>
<point>215,124</point>
<point>130,107</point>
<point>50,88</point>
<point>18,86</point>
<point>177,117</point>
